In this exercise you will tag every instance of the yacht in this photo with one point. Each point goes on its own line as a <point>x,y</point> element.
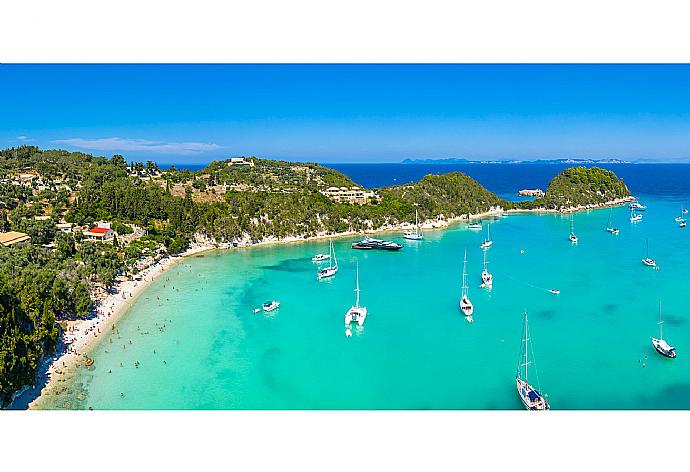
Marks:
<point>661,346</point>
<point>572,237</point>
<point>646,260</point>
<point>332,268</point>
<point>609,227</point>
<point>371,243</point>
<point>356,313</point>
<point>465,304</point>
<point>487,278</point>
<point>320,257</point>
<point>417,233</point>
<point>487,242</point>
<point>474,226</point>
<point>530,396</point>
<point>270,306</point>
<point>637,206</point>
<point>634,217</point>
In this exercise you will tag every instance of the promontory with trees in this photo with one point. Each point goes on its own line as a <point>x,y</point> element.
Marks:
<point>73,224</point>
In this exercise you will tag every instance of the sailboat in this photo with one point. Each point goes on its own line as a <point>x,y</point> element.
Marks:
<point>685,208</point>
<point>680,218</point>
<point>487,242</point>
<point>610,228</point>
<point>530,396</point>
<point>487,278</point>
<point>465,304</point>
<point>417,233</point>
<point>634,216</point>
<point>572,237</point>
<point>356,313</point>
<point>646,260</point>
<point>661,346</point>
<point>332,264</point>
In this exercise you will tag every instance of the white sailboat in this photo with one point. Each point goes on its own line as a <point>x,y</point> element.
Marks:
<point>530,396</point>
<point>356,313</point>
<point>609,227</point>
<point>634,216</point>
<point>680,218</point>
<point>417,233</point>
<point>661,346</point>
<point>573,236</point>
<point>487,242</point>
<point>685,208</point>
<point>465,304</point>
<point>646,260</point>
<point>332,265</point>
<point>487,278</point>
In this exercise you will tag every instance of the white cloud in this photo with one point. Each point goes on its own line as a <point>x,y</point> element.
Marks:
<point>124,144</point>
<point>24,138</point>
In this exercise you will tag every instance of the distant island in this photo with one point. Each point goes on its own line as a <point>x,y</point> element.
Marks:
<point>456,160</point>
<point>75,228</point>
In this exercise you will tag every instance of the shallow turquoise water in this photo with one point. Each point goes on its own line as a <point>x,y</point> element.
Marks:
<point>416,351</point>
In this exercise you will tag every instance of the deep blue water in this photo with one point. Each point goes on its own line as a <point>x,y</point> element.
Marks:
<point>667,180</point>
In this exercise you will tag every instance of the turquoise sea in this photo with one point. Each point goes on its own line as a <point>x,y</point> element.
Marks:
<point>416,351</point>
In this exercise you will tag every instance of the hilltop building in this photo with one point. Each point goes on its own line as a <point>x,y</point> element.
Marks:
<point>352,195</point>
<point>99,233</point>
<point>13,237</point>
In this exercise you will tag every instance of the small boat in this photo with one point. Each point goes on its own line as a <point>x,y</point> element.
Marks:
<point>609,227</point>
<point>332,268</point>
<point>465,304</point>
<point>685,208</point>
<point>487,278</point>
<point>348,332</point>
<point>320,257</point>
<point>88,362</point>
<point>474,226</point>
<point>661,346</point>
<point>573,236</point>
<point>417,234</point>
<point>555,290</point>
<point>270,306</point>
<point>530,396</point>
<point>256,310</point>
<point>356,313</point>
<point>634,217</point>
<point>637,206</point>
<point>683,224</point>
<point>646,260</point>
<point>487,242</point>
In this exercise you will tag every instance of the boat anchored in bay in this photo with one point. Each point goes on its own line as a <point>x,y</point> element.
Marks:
<point>465,304</point>
<point>332,268</point>
<point>356,313</point>
<point>487,242</point>
<point>610,227</point>
<point>487,278</point>
<point>646,260</point>
<point>417,234</point>
<point>380,244</point>
<point>573,237</point>
<point>661,346</point>
<point>530,396</point>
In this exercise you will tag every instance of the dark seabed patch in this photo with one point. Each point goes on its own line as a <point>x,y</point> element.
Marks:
<point>292,265</point>
<point>547,314</point>
<point>674,320</point>
<point>673,397</point>
<point>610,308</point>
<point>269,360</point>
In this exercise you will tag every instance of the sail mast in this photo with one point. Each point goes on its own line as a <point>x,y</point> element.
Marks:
<point>464,275</point>
<point>660,323</point>
<point>333,255</point>
<point>484,259</point>
<point>357,286</point>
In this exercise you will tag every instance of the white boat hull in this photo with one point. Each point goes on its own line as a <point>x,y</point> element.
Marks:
<point>466,306</point>
<point>356,315</point>
<point>531,398</point>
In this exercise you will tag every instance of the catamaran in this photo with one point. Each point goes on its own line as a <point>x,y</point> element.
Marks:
<point>465,304</point>
<point>661,346</point>
<point>634,216</point>
<point>356,313</point>
<point>417,233</point>
<point>646,260</point>
<point>530,396</point>
<point>487,278</point>
<point>609,227</point>
<point>572,237</point>
<point>332,265</point>
<point>487,242</point>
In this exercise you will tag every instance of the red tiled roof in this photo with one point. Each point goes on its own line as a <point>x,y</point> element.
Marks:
<point>99,230</point>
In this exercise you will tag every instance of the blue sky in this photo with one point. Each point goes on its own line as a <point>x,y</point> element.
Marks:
<point>350,113</point>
